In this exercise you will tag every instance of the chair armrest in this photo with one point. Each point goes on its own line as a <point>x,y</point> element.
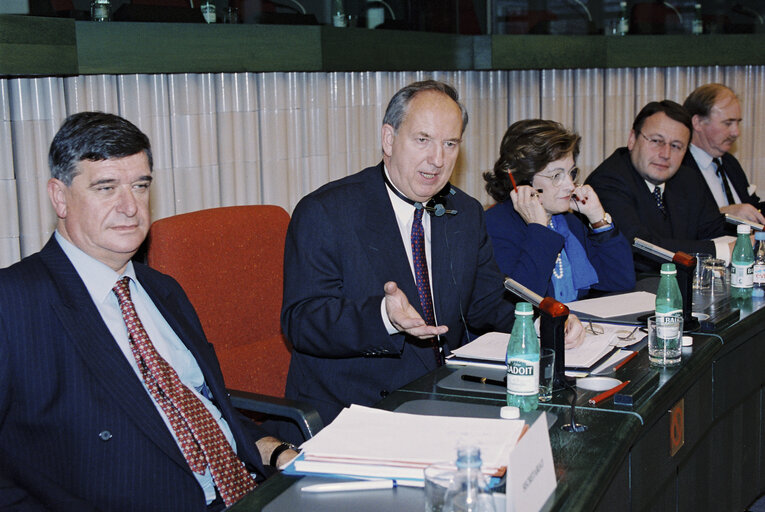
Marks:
<point>305,416</point>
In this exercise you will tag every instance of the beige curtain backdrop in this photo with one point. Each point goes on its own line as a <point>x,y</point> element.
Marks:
<point>270,138</point>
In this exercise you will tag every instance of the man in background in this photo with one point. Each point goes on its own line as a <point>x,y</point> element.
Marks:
<point>652,196</point>
<point>716,115</point>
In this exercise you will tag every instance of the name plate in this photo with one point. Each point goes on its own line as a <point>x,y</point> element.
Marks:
<point>531,471</point>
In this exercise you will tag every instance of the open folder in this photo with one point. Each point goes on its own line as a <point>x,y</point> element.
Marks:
<point>371,443</point>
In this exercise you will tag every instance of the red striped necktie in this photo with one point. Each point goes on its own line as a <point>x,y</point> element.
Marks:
<point>421,276</point>
<point>201,438</point>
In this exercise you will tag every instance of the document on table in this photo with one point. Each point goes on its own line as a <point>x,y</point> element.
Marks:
<point>615,305</point>
<point>491,348</point>
<point>366,442</point>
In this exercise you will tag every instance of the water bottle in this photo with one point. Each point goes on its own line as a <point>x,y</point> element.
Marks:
<point>698,24</point>
<point>208,11</point>
<point>623,26</point>
<point>468,491</point>
<point>758,274</point>
<point>742,264</point>
<point>100,10</point>
<point>523,360</point>
<point>669,301</point>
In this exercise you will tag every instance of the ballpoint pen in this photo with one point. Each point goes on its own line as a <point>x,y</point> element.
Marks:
<point>361,485</point>
<point>607,394</point>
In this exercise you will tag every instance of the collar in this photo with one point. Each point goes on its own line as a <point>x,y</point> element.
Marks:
<point>98,277</point>
<point>703,159</point>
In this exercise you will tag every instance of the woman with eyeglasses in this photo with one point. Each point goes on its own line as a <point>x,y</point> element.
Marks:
<point>550,234</point>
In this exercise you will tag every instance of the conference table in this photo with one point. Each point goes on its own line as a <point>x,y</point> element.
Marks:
<point>693,440</point>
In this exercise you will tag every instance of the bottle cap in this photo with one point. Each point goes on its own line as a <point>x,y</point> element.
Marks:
<point>668,268</point>
<point>742,229</point>
<point>510,412</point>
<point>687,341</point>
<point>759,235</point>
<point>524,308</point>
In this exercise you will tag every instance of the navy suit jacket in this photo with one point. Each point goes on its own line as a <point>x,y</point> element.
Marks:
<point>693,217</point>
<point>527,252</point>
<point>735,173</point>
<point>78,431</point>
<point>343,244</point>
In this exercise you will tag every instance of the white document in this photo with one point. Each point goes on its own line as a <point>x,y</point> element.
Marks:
<point>615,305</point>
<point>492,348</point>
<point>531,471</point>
<point>363,441</point>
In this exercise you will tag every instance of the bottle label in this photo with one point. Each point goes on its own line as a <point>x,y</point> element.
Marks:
<point>758,274</point>
<point>667,328</point>
<point>522,376</point>
<point>742,276</point>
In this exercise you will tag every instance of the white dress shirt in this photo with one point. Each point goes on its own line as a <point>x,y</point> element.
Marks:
<point>709,170</point>
<point>99,279</point>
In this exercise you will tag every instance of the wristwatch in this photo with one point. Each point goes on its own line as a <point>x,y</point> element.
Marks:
<point>605,221</point>
<point>279,450</point>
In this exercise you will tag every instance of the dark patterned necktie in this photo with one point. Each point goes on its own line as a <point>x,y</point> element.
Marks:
<point>657,195</point>
<point>724,177</point>
<point>421,276</point>
<point>201,438</point>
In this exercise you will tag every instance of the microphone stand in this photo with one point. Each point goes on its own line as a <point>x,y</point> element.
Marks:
<point>552,333</point>
<point>686,265</point>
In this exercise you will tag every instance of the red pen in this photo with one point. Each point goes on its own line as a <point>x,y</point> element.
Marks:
<point>512,180</point>
<point>624,361</point>
<point>607,394</point>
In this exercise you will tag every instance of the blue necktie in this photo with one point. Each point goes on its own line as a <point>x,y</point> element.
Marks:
<point>421,276</point>
<point>659,201</point>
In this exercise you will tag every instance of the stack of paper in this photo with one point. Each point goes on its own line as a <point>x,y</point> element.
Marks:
<point>365,442</point>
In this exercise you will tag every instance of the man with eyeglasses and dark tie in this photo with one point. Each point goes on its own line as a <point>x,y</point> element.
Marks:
<point>651,196</point>
<point>716,115</point>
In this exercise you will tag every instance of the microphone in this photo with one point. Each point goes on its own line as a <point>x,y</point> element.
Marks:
<point>438,210</point>
<point>686,264</point>
<point>552,331</point>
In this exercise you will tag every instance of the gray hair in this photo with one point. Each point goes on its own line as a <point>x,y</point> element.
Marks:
<point>399,104</point>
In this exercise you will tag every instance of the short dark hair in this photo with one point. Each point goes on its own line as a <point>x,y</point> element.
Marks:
<point>93,136</point>
<point>399,103</point>
<point>527,147</point>
<point>671,109</point>
<point>703,98</point>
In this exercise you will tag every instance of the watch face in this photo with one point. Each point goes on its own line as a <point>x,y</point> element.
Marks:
<point>607,218</point>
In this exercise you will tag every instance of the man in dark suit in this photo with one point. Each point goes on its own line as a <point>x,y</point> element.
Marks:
<point>356,306</point>
<point>88,412</point>
<point>651,196</point>
<point>716,115</point>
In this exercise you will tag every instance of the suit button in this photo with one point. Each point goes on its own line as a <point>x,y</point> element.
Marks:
<point>105,435</point>
<point>384,393</point>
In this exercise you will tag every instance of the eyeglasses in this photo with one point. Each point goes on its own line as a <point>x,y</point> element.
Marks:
<point>558,177</point>
<point>659,143</point>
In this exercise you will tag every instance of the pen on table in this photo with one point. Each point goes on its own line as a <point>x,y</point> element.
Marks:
<point>607,394</point>
<point>624,361</point>
<point>483,380</point>
<point>361,485</point>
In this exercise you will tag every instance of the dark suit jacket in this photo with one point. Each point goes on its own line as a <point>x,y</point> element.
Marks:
<point>78,431</point>
<point>527,252</point>
<point>343,244</point>
<point>735,173</point>
<point>693,217</point>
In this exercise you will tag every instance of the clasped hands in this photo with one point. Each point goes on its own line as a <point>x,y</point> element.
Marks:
<point>406,319</point>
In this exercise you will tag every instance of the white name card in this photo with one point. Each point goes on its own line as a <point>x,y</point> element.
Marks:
<point>531,471</point>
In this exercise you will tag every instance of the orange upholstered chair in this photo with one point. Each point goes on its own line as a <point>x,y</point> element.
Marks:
<point>230,262</point>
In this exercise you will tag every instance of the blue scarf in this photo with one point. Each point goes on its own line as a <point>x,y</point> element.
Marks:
<point>578,272</point>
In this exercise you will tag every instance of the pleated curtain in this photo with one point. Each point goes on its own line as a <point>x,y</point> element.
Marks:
<point>270,138</point>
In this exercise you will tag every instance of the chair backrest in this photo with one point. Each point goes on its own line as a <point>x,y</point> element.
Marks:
<point>230,263</point>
